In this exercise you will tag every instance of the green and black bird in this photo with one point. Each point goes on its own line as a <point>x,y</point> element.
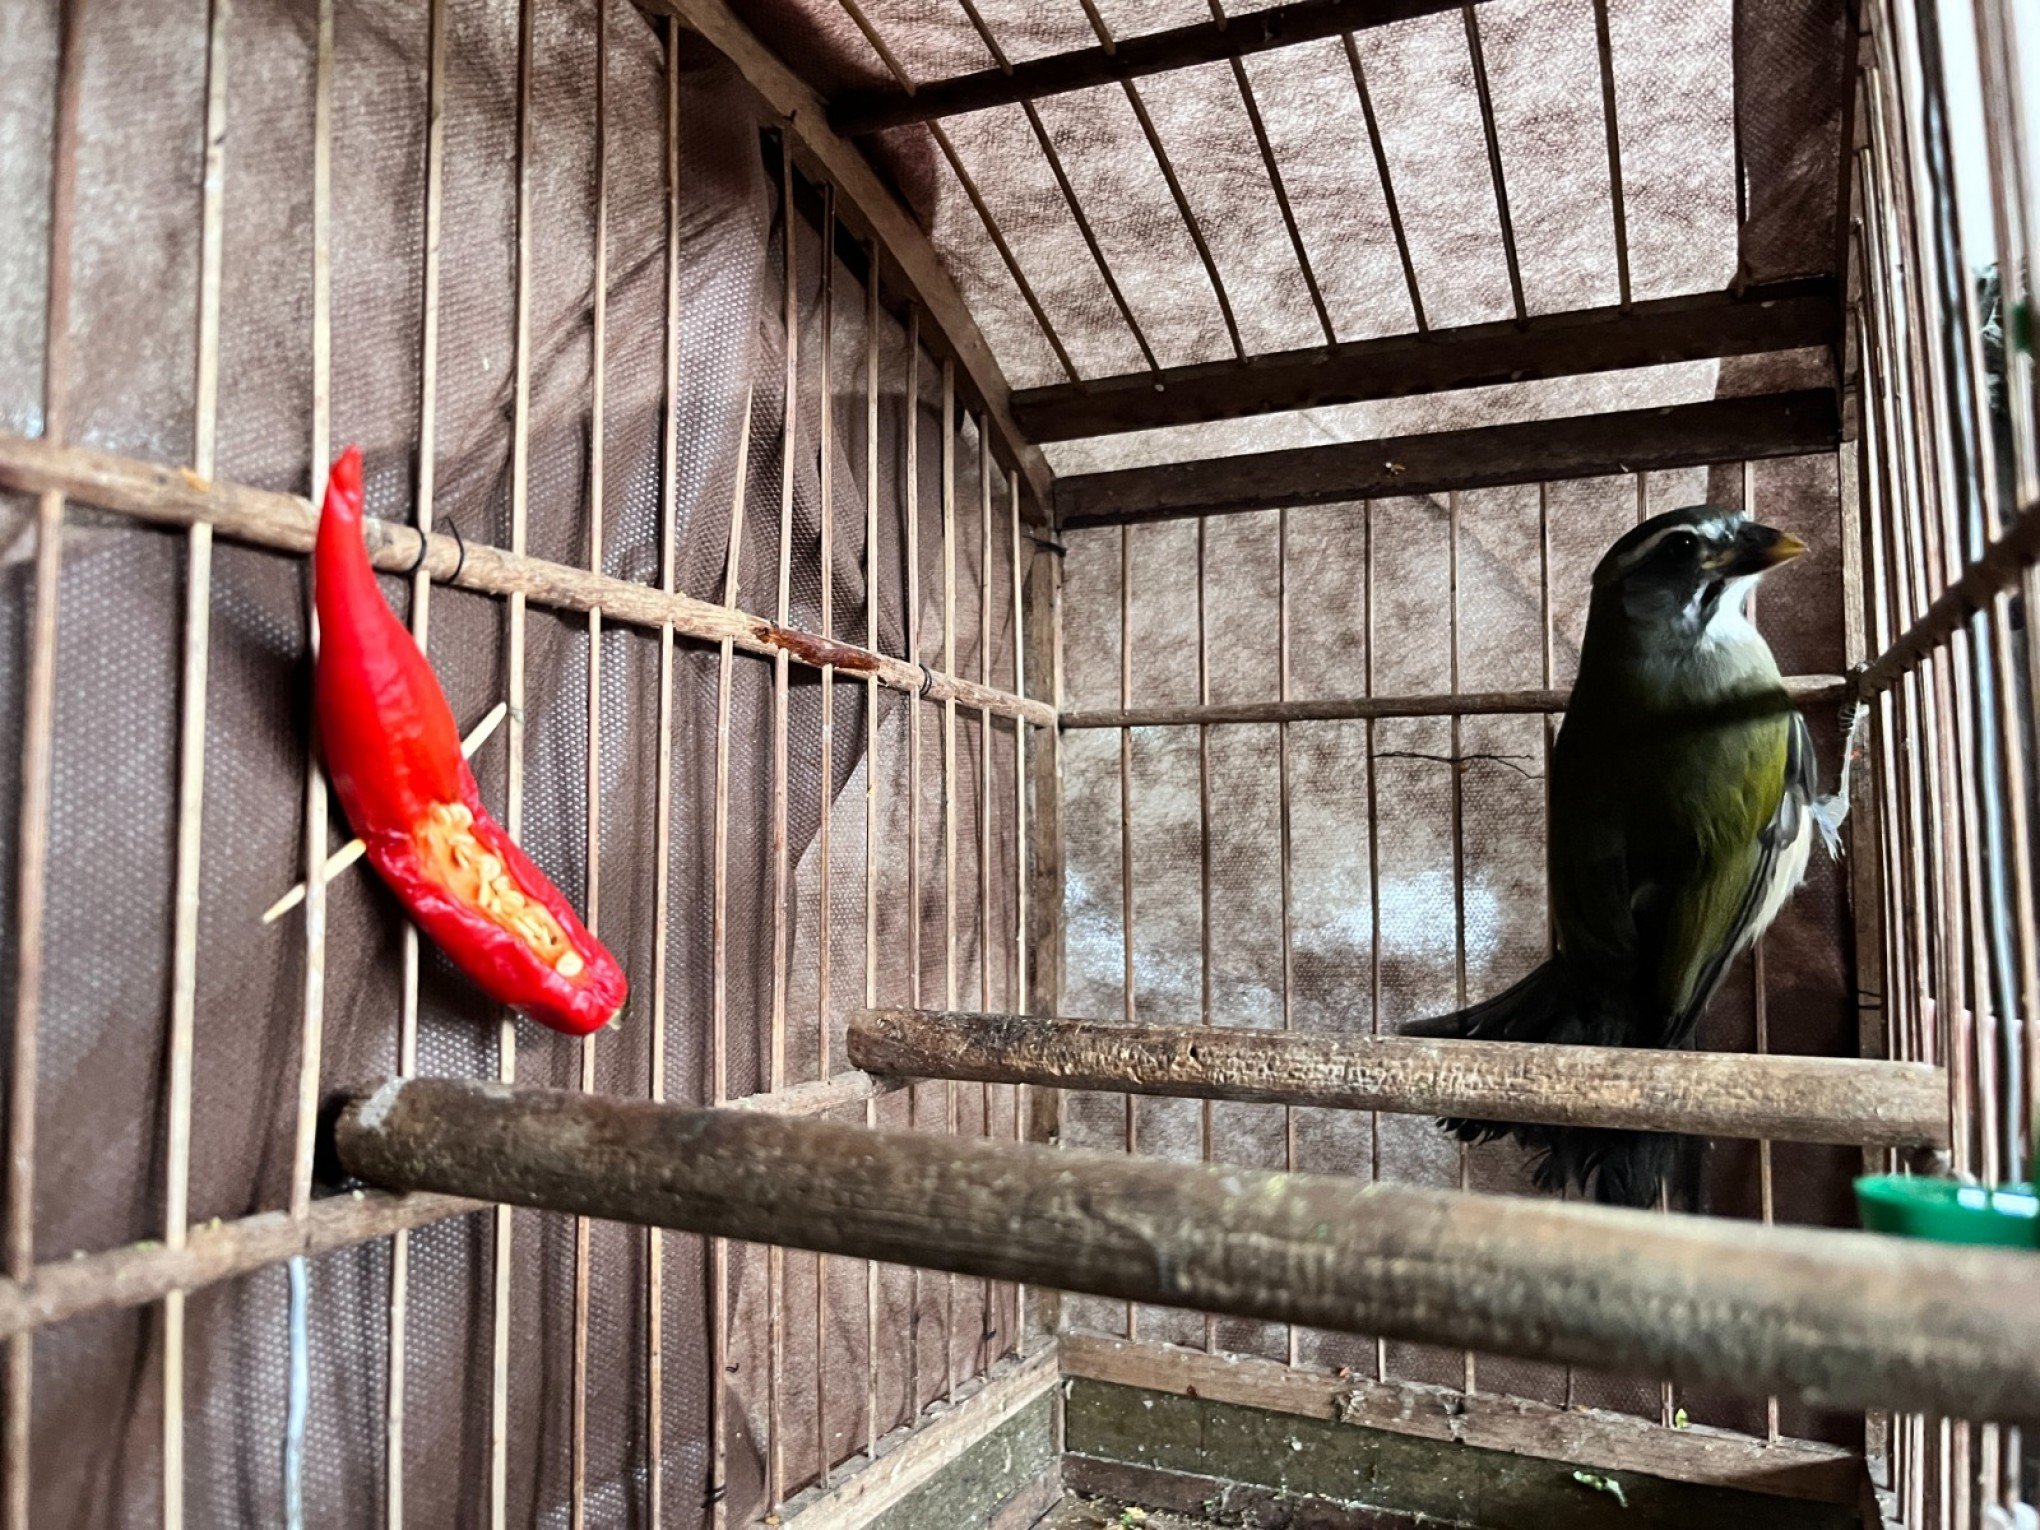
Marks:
<point>1684,804</point>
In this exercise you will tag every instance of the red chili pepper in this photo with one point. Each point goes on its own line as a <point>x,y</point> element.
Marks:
<point>394,757</point>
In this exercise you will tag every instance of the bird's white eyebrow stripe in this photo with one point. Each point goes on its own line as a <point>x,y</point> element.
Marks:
<point>1647,546</point>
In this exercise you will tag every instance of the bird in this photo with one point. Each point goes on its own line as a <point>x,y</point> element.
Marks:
<point>1684,805</point>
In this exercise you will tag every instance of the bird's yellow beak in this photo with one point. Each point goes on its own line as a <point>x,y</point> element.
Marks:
<point>1759,548</point>
<point>1784,550</point>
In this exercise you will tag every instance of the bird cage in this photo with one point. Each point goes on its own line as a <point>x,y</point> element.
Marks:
<point>1020,567</point>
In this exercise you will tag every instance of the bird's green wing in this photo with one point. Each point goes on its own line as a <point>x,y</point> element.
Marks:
<point>1745,797</point>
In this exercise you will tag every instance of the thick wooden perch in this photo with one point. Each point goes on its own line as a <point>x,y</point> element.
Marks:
<point>1845,1319</point>
<point>1723,1094</point>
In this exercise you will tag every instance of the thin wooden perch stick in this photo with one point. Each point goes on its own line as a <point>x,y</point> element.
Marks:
<point>1729,1094</point>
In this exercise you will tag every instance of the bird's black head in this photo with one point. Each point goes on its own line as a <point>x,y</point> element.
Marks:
<point>1686,565</point>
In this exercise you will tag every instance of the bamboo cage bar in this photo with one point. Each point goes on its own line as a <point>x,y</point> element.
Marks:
<point>871,574</point>
<point>857,112</point>
<point>285,523</point>
<point>1585,446</point>
<point>825,757</point>
<point>37,746</point>
<point>662,809</point>
<point>949,888</point>
<point>1771,317</point>
<point>591,837</point>
<point>781,765</point>
<point>1727,1094</point>
<point>1848,1319</point>
<point>421,609</point>
<point>191,774</point>
<point>1801,690</point>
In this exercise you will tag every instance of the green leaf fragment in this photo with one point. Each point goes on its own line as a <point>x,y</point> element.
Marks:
<point>1601,1484</point>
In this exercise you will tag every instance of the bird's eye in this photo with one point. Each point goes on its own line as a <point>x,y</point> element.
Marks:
<point>1682,542</point>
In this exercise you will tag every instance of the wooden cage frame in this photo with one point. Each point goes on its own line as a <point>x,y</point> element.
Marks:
<point>1934,1349</point>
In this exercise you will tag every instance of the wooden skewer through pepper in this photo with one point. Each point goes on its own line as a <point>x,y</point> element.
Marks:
<point>394,757</point>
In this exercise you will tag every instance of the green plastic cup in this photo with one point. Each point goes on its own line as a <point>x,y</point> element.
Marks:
<point>1947,1211</point>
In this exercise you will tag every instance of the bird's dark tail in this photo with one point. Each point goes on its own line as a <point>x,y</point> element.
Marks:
<point>1619,1168</point>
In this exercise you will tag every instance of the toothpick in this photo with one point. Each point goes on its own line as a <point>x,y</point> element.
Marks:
<point>354,849</point>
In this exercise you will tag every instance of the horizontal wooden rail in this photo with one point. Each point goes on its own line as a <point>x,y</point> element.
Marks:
<point>1593,1438</point>
<point>1586,446</point>
<point>1128,58</point>
<point>1723,1094</point>
<point>1779,316</point>
<point>1848,1320</point>
<point>286,523</point>
<point>137,1274</point>
<point>141,1273</point>
<point>1995,572</point>
<point>1804,690</point>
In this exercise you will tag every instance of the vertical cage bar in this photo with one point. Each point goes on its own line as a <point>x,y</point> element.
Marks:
<point>949,1117</point>
<point>1759,1001</point>
<point>1367,606</point>
<point>513,807</point>
<point>986,1327</point>
<point>1204,1115</point>
<point>662,831</point>
<point>1458,815</point>
<point>592,831</point>
<point>1021,996</point>
<point>38,727</point>
<point>719,1039</point>
<point>825,415</point>
<point>913,713</point>
<point>871,398</point>
<point>775,1256</point>
<point>1290,1340</point>
<point>191,734</point>
<point>317,835</point>
<point>1127,1000</point>
<point>314,993</point>
<point>421,596</point>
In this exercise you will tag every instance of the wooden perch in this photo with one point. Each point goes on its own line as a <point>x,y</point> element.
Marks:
<point>1844,1319</point>
<point>1723,1094</point>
